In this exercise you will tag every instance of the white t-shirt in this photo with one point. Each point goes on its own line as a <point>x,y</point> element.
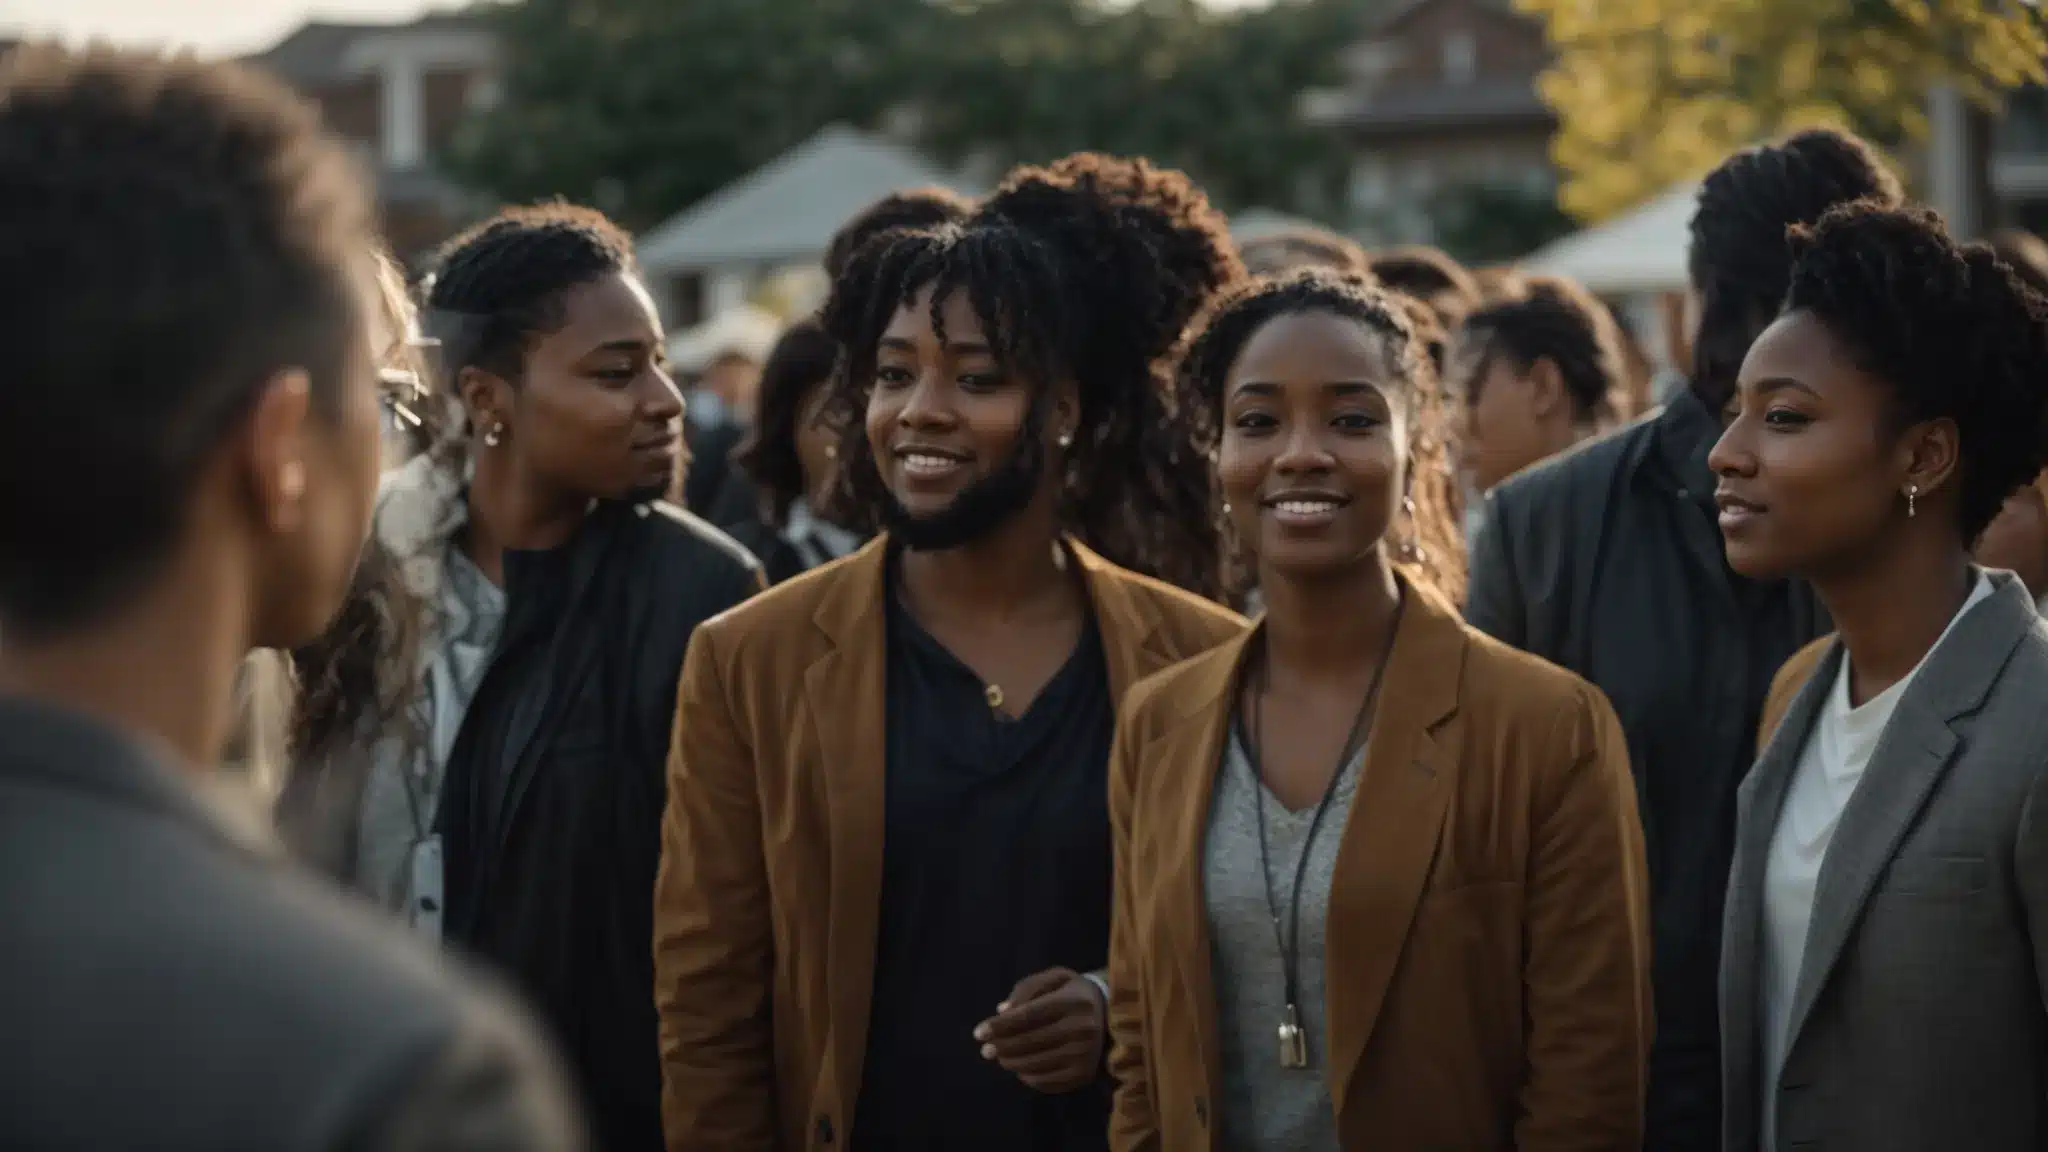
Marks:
<point>1837,750</point>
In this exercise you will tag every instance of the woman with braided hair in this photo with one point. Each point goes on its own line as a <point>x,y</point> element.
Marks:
<point>1380,881</point>
<point>886,875</point>
<point>1534,373</point>
<point>563,593</point>
<point>1886,953</point>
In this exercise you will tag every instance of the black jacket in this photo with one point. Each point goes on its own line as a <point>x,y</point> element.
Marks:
<point>174,983</point>
<point>551,809</point>
<point>1608,561</point>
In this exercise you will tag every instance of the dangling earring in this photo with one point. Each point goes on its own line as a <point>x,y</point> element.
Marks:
<point>493,435</point>
<point>1912,491</point>
<point>1226,507</point>
<point>1066,439</point>
<point>1409,552</point>
<point>831,451</point>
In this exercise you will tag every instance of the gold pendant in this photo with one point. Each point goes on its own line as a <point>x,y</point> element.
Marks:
<point>1293,1042</point>
<point>994,695</point>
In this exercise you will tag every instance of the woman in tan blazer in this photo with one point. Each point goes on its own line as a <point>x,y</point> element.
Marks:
<point>1380,881</point>
<point>885,889</point>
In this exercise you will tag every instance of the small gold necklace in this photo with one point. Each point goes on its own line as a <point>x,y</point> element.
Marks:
<point>993,693</point>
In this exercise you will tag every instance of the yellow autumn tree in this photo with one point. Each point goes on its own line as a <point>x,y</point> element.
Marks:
<point>1651,92</point>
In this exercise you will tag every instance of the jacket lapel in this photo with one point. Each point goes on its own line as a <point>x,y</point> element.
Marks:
<point>1130,627</point>
<point>844,696</point>
<point>1192,751</point>
<point>1757,804</point>
<point>1911,757</point>
<point>1390,839</point>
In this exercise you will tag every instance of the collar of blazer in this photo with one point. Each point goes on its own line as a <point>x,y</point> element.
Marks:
<point>847,614</point>
<point>1388,843</point>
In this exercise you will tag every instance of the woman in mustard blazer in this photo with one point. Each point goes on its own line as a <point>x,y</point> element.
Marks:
<point>1379,880</point>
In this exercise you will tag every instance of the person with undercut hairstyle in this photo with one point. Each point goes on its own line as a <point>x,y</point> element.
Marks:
<point>1885,968</point>
<point>885,891</point>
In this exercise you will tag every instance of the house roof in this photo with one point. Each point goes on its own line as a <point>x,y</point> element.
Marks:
<point>1642,250</point>
<point>1433,109</point>
<point>788,209</point>
<point>317,52</point>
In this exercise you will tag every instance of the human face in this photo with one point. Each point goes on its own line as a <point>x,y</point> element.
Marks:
<point>945,422</point>
<point>1812,467</point>
<point>2018,539</point>
<point>817,445</point>
<point>1501,431</point>
<point>595,414</point>
<point>1314,455</point>
<point>314,465</point>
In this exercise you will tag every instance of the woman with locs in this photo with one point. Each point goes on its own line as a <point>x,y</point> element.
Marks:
<point>1380,881</point>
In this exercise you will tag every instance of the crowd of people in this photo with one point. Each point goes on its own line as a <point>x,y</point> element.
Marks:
<point>1092,685</point>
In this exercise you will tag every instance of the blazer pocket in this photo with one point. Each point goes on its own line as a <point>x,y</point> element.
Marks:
<point>1936,878</point>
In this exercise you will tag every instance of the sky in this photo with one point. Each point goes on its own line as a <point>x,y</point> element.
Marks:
<point>214,26</point>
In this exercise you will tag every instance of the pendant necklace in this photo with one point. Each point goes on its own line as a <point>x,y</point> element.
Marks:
<point>1293,1040</point>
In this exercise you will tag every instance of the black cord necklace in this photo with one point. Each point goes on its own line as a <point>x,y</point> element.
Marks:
<point>1293,1041</point>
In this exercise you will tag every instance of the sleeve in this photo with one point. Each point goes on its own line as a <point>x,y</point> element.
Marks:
<point>1586,964</point>
<point>489,1088</point>
<point>2030,869</point>
<point>1133,1126</point>
<point>713,944</point>
<point>1493,593</point>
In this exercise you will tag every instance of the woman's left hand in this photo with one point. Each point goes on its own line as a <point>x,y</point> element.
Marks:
<point>1049,1033</point>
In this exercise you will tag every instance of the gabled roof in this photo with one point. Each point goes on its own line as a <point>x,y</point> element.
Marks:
<point>317,52</point>
<point>788,209</point>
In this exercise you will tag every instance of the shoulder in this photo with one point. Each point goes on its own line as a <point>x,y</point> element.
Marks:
<point>1161,700</point>
<point>1531,701</point>
<point>686,538</point>
<point>1568,475</point>
<point>1193,624</point>
<point>781,620</point>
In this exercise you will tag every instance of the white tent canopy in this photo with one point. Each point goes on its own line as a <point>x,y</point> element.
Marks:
<point>1642,250</point>
<point>786,211</point>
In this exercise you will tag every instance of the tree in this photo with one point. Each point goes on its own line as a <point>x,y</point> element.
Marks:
<point>1651,92</point>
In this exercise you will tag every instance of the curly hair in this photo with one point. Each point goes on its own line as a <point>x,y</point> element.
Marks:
<point>360,673</point>
<point>1431,276</point>
<point>1304,247</point>
<point>173,234</point>
<point>499,285</point>
<point>1439,554</point>
<point>1739,262</point>
<point>800,363</point>
<point>1088,270</point>
<point>2026,252</point>
<point>1956,332</point>
<point>909,210</point>
<point>1553,318</point>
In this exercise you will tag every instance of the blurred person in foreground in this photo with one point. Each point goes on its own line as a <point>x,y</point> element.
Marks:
<point>1606,560</point>
<point>184,289</point>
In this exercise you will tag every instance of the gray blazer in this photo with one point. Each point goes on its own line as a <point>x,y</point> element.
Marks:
<point>171,983</point>
<point>1918,1021</point>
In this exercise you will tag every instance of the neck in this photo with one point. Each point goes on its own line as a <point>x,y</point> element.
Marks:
<point>510,511</point>
<point>1889,612</point>
<point>1003,575</point>
<point>163,670</point>
<point>1330,624</point>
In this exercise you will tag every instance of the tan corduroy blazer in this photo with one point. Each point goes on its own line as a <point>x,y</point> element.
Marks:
<point>769,891</point>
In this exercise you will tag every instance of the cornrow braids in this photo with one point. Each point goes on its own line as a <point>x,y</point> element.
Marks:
<point>1954,329</point>
<point>1238,315</point>
<point>1088,270</point>
<point>1554,319</point>
<point>497,286</point>
<point>1739,262</point>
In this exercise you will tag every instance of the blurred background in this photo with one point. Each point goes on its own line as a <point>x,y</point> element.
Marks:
<point>735,135</point>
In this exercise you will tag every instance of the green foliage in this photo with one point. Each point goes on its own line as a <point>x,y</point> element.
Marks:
<point>645,106</point>
<point>1483,224</point>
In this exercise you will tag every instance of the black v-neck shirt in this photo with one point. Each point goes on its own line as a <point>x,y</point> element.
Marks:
<point>995,865</point>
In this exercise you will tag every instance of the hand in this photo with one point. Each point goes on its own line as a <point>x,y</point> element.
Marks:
<point>1049,1033</point>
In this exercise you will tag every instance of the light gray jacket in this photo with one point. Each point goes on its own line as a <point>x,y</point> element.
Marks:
<point>1918,1022</point>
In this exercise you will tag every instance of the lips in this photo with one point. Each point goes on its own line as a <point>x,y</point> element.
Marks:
<point>925,462</point>
<point>1736,512</point>
<point>1304,509</point>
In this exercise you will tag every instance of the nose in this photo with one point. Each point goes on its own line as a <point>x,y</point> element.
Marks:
<point>927,405</point>
<point>1731,454</point>
<point>663,401</point>
<point>1302,450</point>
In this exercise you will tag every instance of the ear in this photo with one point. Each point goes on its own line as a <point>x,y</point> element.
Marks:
<point>276,443</point>
<point>486,397</point>
<point>1546,388</point>
<point>1931,452</point>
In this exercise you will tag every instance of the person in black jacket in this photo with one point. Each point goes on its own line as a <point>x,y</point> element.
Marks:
<point>188,447</point>
<point>1607,560</point>
<point>553,789</point>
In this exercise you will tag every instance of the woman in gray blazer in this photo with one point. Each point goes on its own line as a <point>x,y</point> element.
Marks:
<point>1881,983</point>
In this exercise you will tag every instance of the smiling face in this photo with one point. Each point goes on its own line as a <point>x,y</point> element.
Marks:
<point>948,426</point>
<point>1314,454</point>
<point>594,413</point>
<point>1814,467</point>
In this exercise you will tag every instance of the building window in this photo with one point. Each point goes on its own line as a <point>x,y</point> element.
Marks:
<point>1461,58</point>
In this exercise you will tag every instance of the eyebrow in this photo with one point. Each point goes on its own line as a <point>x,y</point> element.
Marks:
<point>1772,384</point>
<point>1334,387</point>
<point>628,346</point>
<point>957,347</point>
